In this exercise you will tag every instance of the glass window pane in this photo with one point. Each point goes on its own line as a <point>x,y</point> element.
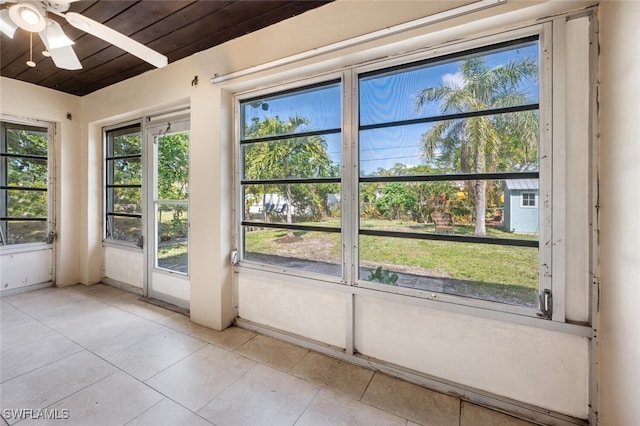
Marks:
<point>126,171</point>
<point>173,167</point>
<point>310,251</point>
<point>316,204</point>
<point>451,207</point>
<point>304,158</point>
<point>124,228</point>
<point>27,140</point>
<point>23,231</point>
<point>492,143</point>
<point>308,110</point>
<point>124,142</point>
<point>27,172</point>
<point>26,204</point>
<point>498,273</point>
<point>173,237</point>
<point>125,200</point>
<point>498,78</point>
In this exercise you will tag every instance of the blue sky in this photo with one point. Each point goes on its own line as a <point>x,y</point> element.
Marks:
<point>383,98</point>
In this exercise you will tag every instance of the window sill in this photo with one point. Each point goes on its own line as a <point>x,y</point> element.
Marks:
<point>430,300</point>
<point>121,245</point>
<point>21,248</point>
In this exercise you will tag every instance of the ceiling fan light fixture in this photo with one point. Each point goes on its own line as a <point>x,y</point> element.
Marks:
<point>7,26</point>
<point>28,16</point>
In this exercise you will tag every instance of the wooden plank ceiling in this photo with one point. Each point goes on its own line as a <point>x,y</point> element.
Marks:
<point>176,29</point>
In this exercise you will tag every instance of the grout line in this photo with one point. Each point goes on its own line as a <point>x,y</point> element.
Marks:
<point>367,387</point>
<point>309,404</point>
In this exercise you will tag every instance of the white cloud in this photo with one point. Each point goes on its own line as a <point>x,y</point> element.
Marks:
<point>453,80</point>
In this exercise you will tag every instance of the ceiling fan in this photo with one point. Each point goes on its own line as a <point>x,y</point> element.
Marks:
<point>31,15</point>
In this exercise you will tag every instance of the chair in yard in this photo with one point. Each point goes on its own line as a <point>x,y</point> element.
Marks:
<point>443,222</point>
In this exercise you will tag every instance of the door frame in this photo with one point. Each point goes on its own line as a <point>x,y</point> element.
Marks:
<point>153,128</point>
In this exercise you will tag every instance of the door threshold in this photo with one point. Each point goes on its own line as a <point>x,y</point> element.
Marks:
<point>166,305</point>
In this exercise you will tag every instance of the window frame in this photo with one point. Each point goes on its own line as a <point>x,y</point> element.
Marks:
<point>350,176</point>
<point>106,185</point>
<point>239,181</point>
<point>531,201</point>
<point>50,186</point>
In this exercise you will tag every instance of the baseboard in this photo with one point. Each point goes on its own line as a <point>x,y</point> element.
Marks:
<point>25,289</point>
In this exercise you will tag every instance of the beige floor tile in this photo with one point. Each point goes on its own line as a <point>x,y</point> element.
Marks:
<point>11,316</point>
<point>168,413</point>
<point>22,334</point>
<point>102,292</point>
<point>263,396</point>
<point>131,303</point>
<point>44,386</point>
<point>31,356</point>
<point>116,337</point>
<point>90,322</point>
<point>154,354</point>
<point>474,415</point>
<point>230,338</point>
<point>275,353</point>
<point>329,408</point>
<point>181,323</point>
<point>335,375</point>
<point>114,400</point>
<point>412,402</point>
<point>200,377</point>
<point>33,302</point>
<point>64,312</point>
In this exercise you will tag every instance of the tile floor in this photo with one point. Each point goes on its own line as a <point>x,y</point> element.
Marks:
<point>99,356</point>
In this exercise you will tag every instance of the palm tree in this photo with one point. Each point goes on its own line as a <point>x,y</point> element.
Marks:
<point>475,144</point>
<point>289,157</point>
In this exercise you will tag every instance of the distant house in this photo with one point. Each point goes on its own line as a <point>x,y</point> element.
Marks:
<point>521,203</point>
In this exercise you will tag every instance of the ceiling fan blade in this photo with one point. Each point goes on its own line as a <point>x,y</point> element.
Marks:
<point>53,37</point>
<point>65,58</point>
<point>117,39</point>
<point>59,47</point>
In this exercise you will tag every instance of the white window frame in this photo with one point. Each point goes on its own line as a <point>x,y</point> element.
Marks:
<point>531,198</point>
<point>51,223</point>
<point>350,178</point>
<point>112,241</point>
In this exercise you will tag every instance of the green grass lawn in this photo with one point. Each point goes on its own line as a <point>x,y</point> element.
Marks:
<point>478,263</point>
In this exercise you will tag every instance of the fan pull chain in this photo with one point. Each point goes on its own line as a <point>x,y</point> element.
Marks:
<point>30,61</point>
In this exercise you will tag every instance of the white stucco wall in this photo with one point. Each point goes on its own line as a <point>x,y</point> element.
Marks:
<point>619,330</point>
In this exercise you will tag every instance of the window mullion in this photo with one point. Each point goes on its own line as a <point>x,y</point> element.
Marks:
<point>350,177</point>
<point>557,161</point>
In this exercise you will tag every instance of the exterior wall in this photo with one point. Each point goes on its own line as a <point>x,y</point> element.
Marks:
<point>521,219</point>
<point>619,331</point>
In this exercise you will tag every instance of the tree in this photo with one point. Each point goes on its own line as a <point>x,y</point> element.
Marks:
<point>396,198</point>
<point>289,157</point>
<point>478,144</point>
<point>173,177</point>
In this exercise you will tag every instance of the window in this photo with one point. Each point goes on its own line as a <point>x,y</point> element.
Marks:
<point>435,143</point>
<point>528,199</point>
<point>24,182</point>
<point>290,177</point>
<point>123,166</point>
